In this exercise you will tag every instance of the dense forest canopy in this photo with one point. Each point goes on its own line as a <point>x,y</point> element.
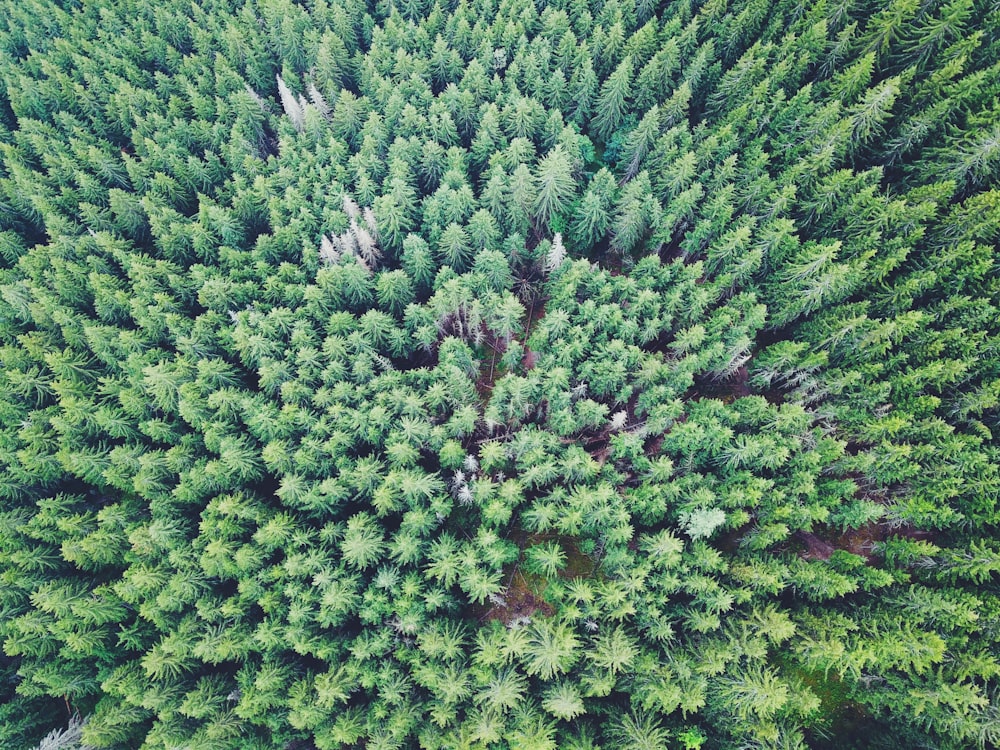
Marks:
<point>499,374</point>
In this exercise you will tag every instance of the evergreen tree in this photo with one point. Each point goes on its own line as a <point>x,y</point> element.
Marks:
<point>611,104</point>
<point>555,186</point>
<point>481,375</point>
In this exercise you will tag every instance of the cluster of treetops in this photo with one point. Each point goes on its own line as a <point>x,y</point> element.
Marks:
<point>499,374</point>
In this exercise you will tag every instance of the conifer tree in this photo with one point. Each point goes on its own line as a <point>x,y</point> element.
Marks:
<point>611,104</point>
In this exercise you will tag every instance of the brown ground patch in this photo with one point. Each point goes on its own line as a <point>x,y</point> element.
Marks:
<point>524,595</point>
<point>491,351</point>
<point>490,370</point>
<point>861,541</point>
<point>535,306</point>
<point>725,390</point>
<point>529,360</point>
<point>816,548</point>
<point>518,603</point>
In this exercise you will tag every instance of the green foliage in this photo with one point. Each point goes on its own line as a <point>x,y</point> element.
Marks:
<point>516,375</point>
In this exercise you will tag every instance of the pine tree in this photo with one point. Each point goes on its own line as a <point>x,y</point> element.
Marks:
<point>593,216</point>
<point>613,99</point>
<point>555,186</point>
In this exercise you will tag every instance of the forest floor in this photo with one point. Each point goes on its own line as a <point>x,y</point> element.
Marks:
<point>524,595</point>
